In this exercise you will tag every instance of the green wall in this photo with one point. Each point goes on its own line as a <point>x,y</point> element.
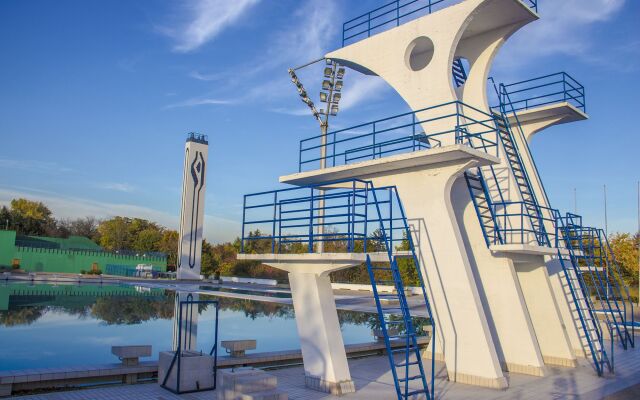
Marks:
<point>34,259</point>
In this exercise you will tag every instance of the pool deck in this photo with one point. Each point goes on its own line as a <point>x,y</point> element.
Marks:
<point>373,382</point>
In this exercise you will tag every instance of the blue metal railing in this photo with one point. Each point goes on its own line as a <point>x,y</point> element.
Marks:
<point>545,90</point>
<point>393,14</point>
<point>453,122</point>
<point>346,216</point>
<point>513,227</point>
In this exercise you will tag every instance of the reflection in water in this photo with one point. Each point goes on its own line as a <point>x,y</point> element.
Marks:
<point>130,309</point>
<point>44,326</point>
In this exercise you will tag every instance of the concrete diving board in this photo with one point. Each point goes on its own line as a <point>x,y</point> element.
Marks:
<point>535,119</point>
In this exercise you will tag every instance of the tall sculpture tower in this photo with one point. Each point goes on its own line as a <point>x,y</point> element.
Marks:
<point>192,210</point>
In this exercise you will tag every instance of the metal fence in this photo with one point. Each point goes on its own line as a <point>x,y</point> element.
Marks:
<point>545,90</point>
<point>345,216</point>
<point>431,127</point>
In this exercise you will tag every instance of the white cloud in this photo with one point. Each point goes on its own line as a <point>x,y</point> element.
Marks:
<point>119,187</point>
<point>34,166</point>
<point>562,29</point>
<point>205,20</point>
<point>199,101</point>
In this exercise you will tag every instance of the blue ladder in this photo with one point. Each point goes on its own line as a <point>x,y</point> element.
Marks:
<point>593,261</point>
<point>395,320</point>
<point>531,205</point>
<point>614,274</point>
<point>395,328</point>
<point>458,72</point>
<point>581,296</point>
<point>484,208</point>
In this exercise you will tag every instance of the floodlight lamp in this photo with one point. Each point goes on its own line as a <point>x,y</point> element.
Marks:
<point>334,109</point>
<point>328,71</point>
<point>326,85</point>
<point>336,98</point>
<point>328,60</point>
<point>340,73</point>
<point>323,97</point>
<point>338,86</point>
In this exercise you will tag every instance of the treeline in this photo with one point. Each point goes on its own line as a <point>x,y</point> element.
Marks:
<point>140,235</point>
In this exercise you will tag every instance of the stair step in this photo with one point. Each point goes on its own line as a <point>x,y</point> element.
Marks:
<point>413,393</point>
<point>410,378</point>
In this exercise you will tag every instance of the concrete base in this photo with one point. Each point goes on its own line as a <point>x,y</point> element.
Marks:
<point>560,362</point>
<point>493,383</point>
<point>196,371</point>
<point>524,369</point>
<point>335,388</point>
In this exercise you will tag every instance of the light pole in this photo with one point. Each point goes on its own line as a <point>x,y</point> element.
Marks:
<point>331,95</point>
<point>638,236</point>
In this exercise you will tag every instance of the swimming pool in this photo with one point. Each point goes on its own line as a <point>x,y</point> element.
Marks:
<point>46,326</point>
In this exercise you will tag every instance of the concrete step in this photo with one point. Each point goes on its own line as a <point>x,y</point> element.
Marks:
<point>273,394</point>
<point>246,381</point>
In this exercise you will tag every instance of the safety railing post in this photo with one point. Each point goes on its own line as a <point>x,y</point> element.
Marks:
<point>244,214</point>
<point>279,228</point>
<point>273,227</point>
<point>311,223</point>
<point>373,149</point>
<point>366,214</point>
<point>397,12</point>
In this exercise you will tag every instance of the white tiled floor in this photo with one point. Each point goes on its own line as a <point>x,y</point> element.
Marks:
<point>373,381</point>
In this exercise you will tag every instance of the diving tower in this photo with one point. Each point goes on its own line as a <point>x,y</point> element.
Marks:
<point>501,271</point>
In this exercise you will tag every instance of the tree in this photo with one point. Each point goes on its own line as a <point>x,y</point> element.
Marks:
<point>114,233</point>
<point>169,245</point>
<point>86,227</point>
<point>147,240</point>
<point>625,250</point>
<point>30,217</point>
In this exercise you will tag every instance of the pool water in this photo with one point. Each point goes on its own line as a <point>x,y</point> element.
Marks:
<point>46,326</point>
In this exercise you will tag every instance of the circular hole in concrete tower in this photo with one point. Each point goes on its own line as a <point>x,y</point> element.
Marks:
<point>419,53</point>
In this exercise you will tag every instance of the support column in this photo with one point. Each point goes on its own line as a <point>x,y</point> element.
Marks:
<point>545,314</point>
<point>325,359</point>
<point>566,306</point>
<point>500,292</point>
<point>192,210</point>
<point>323,353</point>
<point>465,342</point>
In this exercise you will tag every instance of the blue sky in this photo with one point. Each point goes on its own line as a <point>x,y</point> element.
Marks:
<point>96,99</point>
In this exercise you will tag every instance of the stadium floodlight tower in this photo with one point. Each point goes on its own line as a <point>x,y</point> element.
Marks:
<point>192,209</point>
<point>331,94</point>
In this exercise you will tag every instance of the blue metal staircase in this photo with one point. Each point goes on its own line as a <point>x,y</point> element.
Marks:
<point>394,314</point>
<point>512,153</point>
<point>596,261</point>
<point>580,293</point>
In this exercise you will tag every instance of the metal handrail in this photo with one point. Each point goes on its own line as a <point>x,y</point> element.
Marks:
<point>394,13</point>
<point>402,133</point>
<point>512,225</point>
<point>287,220</point>
<point>545,90</point>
